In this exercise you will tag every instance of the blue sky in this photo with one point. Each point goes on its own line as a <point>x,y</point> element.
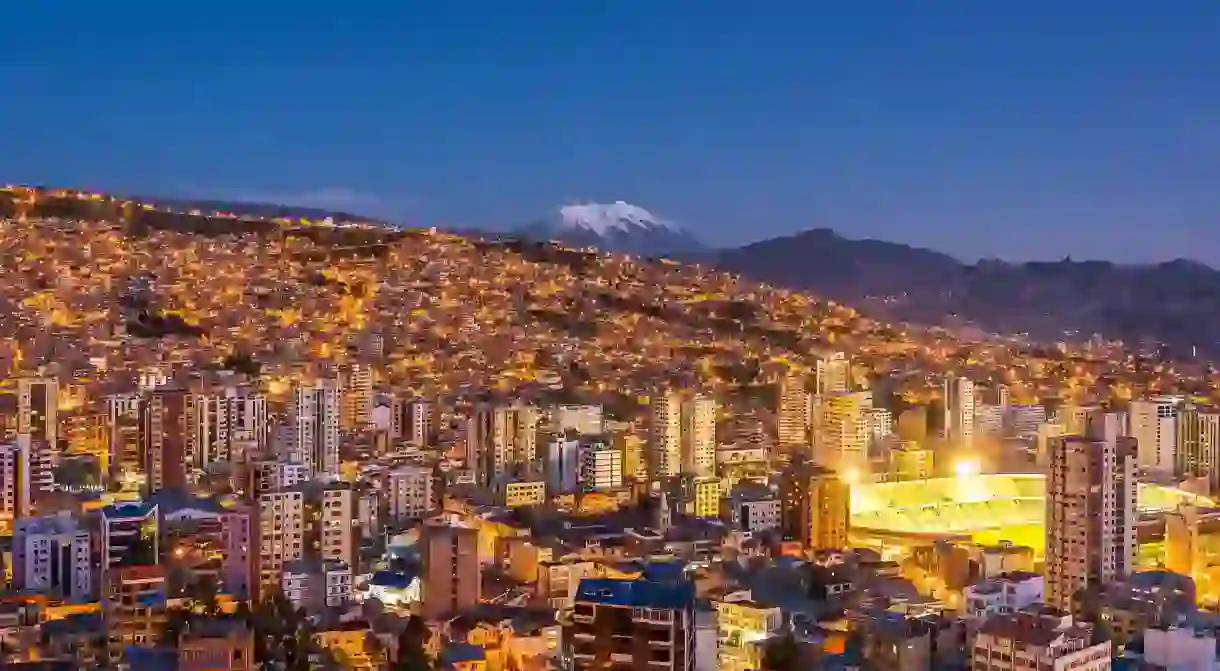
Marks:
<point>1021,130</point>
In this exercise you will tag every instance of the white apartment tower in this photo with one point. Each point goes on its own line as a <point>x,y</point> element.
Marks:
<point>223,427</point>
<point>698,438</point>
<point>1090,509</point>
<point>959,411</point>
<point>665,435</point>
<point>601,467</point>
<point>1154,426</point>
<point>313,423</point>
<point>52,555</point>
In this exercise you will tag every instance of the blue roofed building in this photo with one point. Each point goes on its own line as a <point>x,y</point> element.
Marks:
<point>646,623</point>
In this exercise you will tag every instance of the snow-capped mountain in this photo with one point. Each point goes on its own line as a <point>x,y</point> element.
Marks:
<point>618,227</point>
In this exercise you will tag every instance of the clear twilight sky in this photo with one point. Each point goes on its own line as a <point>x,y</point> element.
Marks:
<point>1022,130</point>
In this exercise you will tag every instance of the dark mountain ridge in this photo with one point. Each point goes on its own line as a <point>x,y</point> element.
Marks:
<point>1175,303</point>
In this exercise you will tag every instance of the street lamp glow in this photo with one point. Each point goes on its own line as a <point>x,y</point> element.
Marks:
<point>965,468</point>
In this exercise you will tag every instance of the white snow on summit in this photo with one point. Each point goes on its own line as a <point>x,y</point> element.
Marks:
<point>601,218</point>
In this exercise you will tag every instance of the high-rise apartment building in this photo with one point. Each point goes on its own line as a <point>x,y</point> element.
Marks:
<point>223,427</point>
<point>203,426</point>
<point>832,374</point>
<point>988,420</point>
<point>1090,510</point>
<point>816,507</point>
<point>281,533</point>
<point>632,625</point>
<point>601,466</point>
<point>313,426</point>
<point>53,555</point>
<point>38,409</point>
<point>26,471</point>
<point>269,475</point>
<point>88,434</point>
<point>880,424</point>
<point>337,525</point>
<point>238,564</point>
<point>1001,396</point>
<point>792,413</point>
<point>1154,426</point>
<point>698,438</point>
<point>1198,445</point>
<point>411,419</point>
<point>845,429</point>
<point>665,435</point>
<point>502,441</point>
<point>1047,431</point>
<point>409,493</point>
<point>564,457</point>
<point>452,579</point>
<point>163,439</point>
<point>959,412</point>
<point>1023,419</point>
<point>123,415</point>
<point>829,511</point>
<point>635,455</point>
<point>357,400</point>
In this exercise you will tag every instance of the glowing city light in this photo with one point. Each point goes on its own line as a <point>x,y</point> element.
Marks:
<point>965,468</point>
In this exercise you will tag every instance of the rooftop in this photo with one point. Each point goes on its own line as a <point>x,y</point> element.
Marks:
<point>637,593</point>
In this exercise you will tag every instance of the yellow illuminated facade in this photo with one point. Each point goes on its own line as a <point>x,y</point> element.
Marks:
<point>705,497</point>
<point>528,493</point>
<point>742,630</point>
<point>350,646</point>
<point>1192,548</point>
<point>909,461</point>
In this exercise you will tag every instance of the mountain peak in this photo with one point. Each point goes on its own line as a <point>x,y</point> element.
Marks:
<point>617,226</point>
<point>602,218</point>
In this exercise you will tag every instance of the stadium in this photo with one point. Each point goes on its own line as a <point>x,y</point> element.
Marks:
<point>983,508</point>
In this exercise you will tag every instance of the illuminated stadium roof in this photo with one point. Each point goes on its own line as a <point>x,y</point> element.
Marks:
<point>966,505</point>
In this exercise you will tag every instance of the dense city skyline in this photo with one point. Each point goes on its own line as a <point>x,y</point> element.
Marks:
<point>228,441</point>
<point>1032,132</point>
<point>293,438</point>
